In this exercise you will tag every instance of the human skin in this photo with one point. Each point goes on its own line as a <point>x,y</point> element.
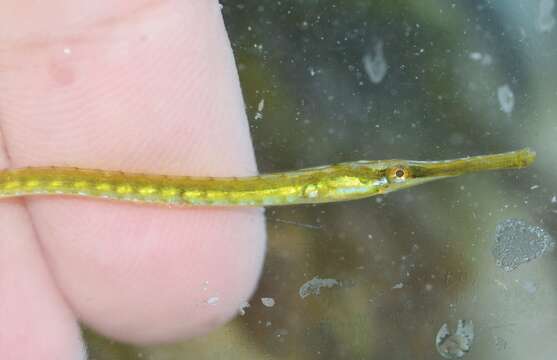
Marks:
<point>140,86</point>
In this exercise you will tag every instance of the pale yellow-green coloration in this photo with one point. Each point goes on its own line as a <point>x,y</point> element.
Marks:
<point>340,182</point>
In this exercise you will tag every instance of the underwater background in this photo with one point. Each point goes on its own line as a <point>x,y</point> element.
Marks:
<point>330,81</point>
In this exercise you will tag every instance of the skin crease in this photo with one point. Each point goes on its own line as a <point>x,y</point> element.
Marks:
<point>138,86</point>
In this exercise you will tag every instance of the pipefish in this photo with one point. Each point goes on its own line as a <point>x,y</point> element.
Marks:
<point>339,182</point>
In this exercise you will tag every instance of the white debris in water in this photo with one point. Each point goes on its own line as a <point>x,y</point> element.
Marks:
<point>506,98</point>
<point>213,300</point>
<point>534,187</point>
<point>530,287</point>
<point>546,20</point>
<point>279,333</point>
<point>375,64</point>
<point>483,59</point>
<point>455,346</point>
<point>517,242</point>
<point>314,286</point>
<point>268,302</point>
<point>554,199</point>
<point>486,60</point>
<point>476,56</point>
<point>260,107</point>
<point>243,307</point>
<point>398,286</point>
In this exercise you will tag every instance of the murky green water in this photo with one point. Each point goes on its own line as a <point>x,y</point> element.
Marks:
<point>330,81</point>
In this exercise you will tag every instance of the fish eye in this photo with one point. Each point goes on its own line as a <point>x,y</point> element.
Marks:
<point>397,174</point>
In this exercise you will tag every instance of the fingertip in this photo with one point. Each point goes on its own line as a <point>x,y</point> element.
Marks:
<point>157,94</point>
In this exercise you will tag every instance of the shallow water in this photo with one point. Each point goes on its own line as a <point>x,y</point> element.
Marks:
<point>449,79</point>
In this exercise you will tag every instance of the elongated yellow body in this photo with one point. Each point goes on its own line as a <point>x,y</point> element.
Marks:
<point>345,181</point>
